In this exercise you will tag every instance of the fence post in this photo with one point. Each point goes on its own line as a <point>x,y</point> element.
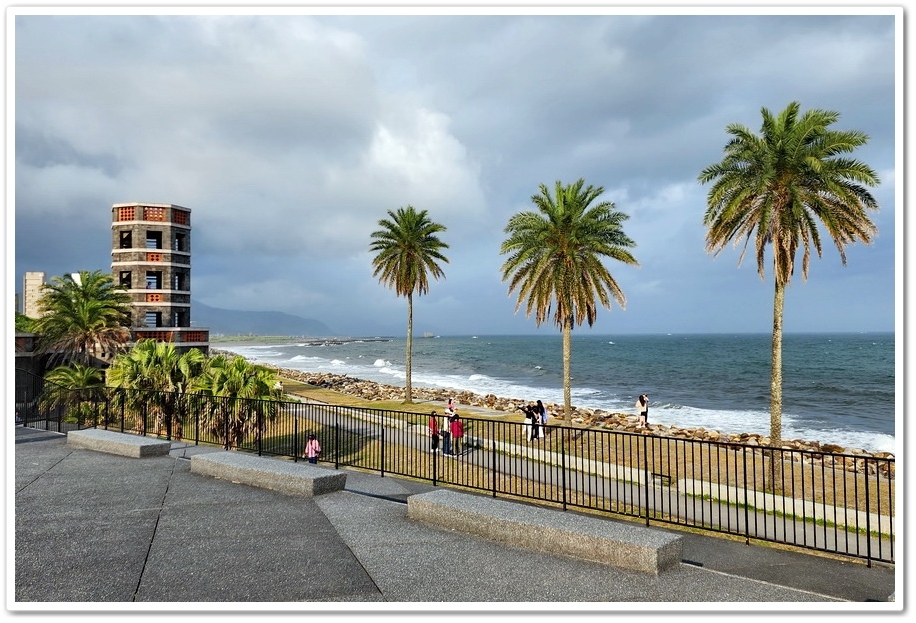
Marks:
<point>645,461</point>
<point>336,441</point>
<point>747,515</point>
<point>565,431</point>
<point>382,466</point>
<point>436,465</point>
<point>868,519</point>
<point>493,456</point>
<point>258,405</point>
<point>296,445</point>
<point>226,423</point>
<point>197,422</point>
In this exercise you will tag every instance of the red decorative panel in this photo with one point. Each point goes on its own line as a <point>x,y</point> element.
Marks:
<point>153,214</point>
<point>195,336</point>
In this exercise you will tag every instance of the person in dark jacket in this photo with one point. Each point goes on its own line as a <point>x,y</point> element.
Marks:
<point>642,409</point>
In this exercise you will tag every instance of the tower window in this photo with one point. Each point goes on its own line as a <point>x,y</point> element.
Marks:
<point>154,240</point>
<point>153,319</point>
<point>154,280</point>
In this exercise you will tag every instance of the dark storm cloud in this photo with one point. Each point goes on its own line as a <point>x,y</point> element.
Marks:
<point>290,136</point>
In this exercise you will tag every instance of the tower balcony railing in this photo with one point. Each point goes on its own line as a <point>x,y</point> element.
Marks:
<point>178,335</point>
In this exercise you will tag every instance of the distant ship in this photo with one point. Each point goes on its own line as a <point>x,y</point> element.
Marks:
<point>428,334</point>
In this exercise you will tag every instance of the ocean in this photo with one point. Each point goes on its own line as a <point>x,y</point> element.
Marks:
<point>837,388</point>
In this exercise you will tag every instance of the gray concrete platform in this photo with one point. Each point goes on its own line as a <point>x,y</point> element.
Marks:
<point>118,443</point>
<point>269,473</point>
<point>619,544</point>
<point>95,531</point>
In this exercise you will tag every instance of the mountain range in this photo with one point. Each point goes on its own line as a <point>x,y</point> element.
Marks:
<point>236,322</point>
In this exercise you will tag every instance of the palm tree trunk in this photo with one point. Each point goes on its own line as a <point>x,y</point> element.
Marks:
<point>776,392</point>
<point>408,391</point>
<point>567,375</point>
<point>776,371</point>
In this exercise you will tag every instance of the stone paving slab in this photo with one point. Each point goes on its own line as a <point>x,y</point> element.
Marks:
<point>146,536</point>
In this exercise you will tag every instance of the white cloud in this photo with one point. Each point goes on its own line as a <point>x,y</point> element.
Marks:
<point>289,137</point>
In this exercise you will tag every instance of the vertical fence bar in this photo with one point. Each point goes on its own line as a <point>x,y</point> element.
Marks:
<point>493,471</point>
<point>747,506</point>
<point>563,463</point>
<point>868,519</point>
<point>645,462</point>
<point>382,453</point>
<point>296,446</point>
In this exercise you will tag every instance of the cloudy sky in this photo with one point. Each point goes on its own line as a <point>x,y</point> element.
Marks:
<point>290,136</point>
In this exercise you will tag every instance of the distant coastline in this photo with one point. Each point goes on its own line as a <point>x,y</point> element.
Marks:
<point>311,341</point>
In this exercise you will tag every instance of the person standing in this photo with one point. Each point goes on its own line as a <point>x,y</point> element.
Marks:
<point>433,431</point>
<point>535,423</point>
<point>446,433</point>
<point>642,408</point>
<point>527,421</point>
<point>542,413</point>
<point>312,448</point>
<point>457,428</point>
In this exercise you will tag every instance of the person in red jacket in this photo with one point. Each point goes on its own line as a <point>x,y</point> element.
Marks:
<point>433,431</point>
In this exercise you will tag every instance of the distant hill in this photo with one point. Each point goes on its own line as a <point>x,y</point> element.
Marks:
<point>237,322</point>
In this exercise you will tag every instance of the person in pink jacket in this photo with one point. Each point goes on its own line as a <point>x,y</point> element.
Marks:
<point>312,448</point>
<point>457,426</point>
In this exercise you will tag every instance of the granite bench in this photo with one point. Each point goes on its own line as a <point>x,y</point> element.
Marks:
<point>125,444</point>
<point>284,476</point>
<point>619,544</point>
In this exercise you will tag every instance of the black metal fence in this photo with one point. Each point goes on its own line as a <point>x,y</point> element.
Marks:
<point>843,504</point>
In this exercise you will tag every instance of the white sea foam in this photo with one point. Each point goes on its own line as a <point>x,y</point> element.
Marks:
<point>682,416</point>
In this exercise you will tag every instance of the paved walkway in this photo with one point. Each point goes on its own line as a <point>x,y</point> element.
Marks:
<point>145,535</point>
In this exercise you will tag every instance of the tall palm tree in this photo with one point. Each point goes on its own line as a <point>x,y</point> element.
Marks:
<point>83,314</point>
<point>773,188</point>
<point>555,260</point>
<point>408,252</point>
